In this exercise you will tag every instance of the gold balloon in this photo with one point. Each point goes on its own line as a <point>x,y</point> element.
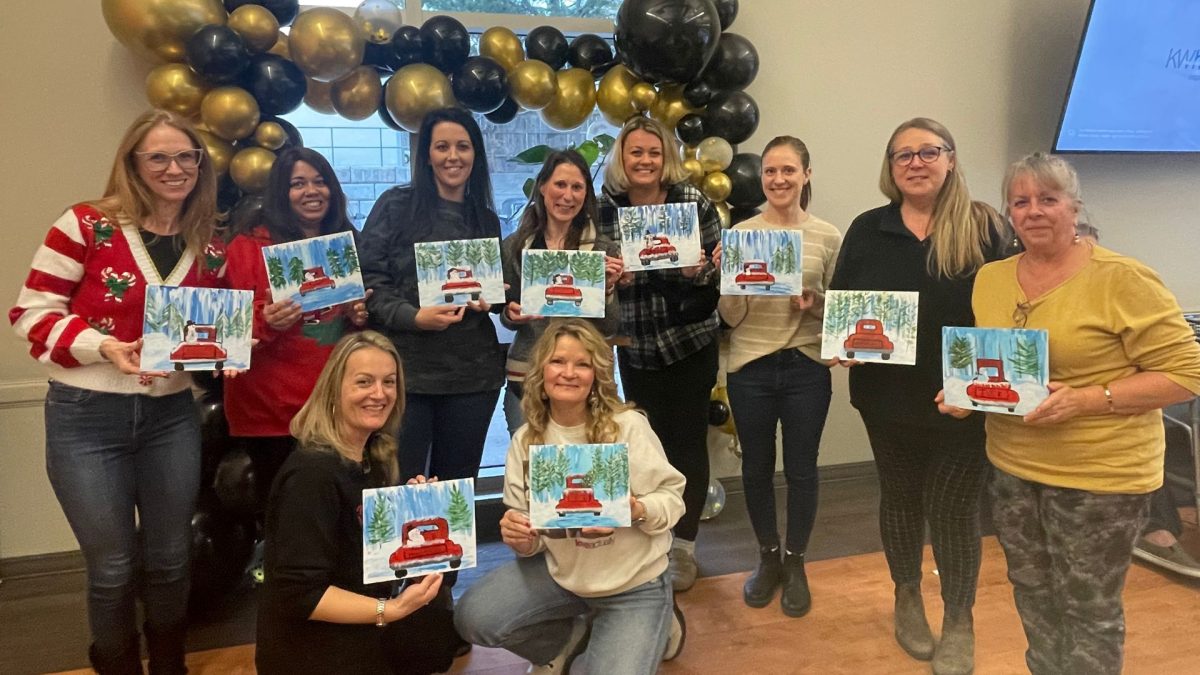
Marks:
<point>156,30</point>
<point>723,214</point>
<point>613,95</point>
<point>175,87</point>
<point>533,84</point>
<point>319,97</point>
<point>574,101</point>
<point>716,186</point>
<point>715,153</point>
<point>415,90</point>
<point>643,95</point>
<point>326,44</point>
<point>250,168</point>
<point>257,25</point>
<point>281,46</point>
<point>687,152</point>
<point>670,105</point>
<point>230,112</point>
<point>270,135</point>
<point>219,150</point>
<point>695,171</point>
<point>357,95</point>
<point>502,45</point>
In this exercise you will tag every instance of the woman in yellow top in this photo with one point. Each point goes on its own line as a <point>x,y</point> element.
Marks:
<point>1073,478</point>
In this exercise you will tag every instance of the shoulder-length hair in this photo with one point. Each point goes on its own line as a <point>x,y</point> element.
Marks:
<point>478,199</point>
<point>318,423</point>
<point>127,197</point>
<point>797,146</point>
<point>534,220</point>
<point>603,401</point>
<point>616,180</point>
<point>960,229</point>
<point>277,213</point>
<point>1051,171</point>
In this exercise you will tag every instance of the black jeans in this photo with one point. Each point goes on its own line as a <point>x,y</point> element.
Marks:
<point>675,400</point>
<point>443,434</point>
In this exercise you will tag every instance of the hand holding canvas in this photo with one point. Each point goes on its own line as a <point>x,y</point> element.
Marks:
<point>1066,402</point>
<point>438,317</point>
<point>614,271</point>
<point>126,356</point>
<point>806,300</point>
<point>281,315</point>
<point>956,413</point>
<point>358,310</point>
<point>516,532</point>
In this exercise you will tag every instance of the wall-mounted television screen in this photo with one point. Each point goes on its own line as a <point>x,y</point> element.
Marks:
<point>1136,85</point>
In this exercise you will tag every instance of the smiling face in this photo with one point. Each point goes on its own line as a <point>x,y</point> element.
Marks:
<point>1044,217</point>
<point>568,375</point>
<point>917,180</point>
<point>642,157</point>
<point>308,195</point>
<point>783,177</point>
<point>368,393</point>
<point>451,156</point>
<point>563,194</point>
<point>173,184</point>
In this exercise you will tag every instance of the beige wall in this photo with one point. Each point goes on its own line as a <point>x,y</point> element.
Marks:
<point>838,73</point>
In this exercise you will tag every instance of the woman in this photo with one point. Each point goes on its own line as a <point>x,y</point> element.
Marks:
<point>669,366</point>
<point>538,606</point>
<point>302,199</point>
<point>931,238</point>
<point>1073,478</point>
<point>455,364</point>
<point>123,447</point>
<point>316,615</point>
<point>776,376</point>
<point>561,216</point>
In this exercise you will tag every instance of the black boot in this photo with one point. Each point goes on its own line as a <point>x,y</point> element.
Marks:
<point>128,661</point>
<point>167,648</point>
<point>795,600</point>
<point>761,585</point>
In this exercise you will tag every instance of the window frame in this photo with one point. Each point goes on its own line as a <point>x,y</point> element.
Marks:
<point>414,15</point>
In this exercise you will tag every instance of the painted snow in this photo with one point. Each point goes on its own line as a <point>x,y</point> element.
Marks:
<point>659,236</point>
<point>762,262</point>
<point>413,530</point>
<point>459,271</point>
<point>188,328</point>
<point>562,283</point>
<point>316,273</point>
<point>579,485</point>
<point>1000,370</point>
<point>870,326</point>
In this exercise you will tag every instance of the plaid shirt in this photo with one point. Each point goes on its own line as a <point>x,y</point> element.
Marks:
<point>655,341</point>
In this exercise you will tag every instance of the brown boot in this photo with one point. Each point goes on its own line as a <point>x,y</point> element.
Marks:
<point>912,629</point>
<point>955,653</point>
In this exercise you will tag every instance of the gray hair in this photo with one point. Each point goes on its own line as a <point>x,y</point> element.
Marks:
<point>1050,171</point>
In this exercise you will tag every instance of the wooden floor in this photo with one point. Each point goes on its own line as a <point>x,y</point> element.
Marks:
<point>849,628</point>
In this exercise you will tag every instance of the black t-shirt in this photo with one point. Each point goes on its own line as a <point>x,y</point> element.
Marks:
<point>165,251</point>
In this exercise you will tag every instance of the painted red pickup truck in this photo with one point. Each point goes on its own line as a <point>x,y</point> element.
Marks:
<point>578,498</point>
<point>868,336</point>
<point>200,344</point>
<point>990,387</point>
<point>426,542</point>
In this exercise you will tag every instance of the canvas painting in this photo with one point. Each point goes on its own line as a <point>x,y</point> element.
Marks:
<point>562,283</point>
<point>459,271</point>
<point>579,485</point>
<point>1000,370</point>
<point>316,273</point>
<point>659,236</point>
<point>762,262</point>
<point>872,326</point>
<point>196,329</point>
<point>413,530</point>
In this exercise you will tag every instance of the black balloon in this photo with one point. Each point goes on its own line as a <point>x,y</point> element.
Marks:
<point>718,413</point>
<point>276,83</point>
<point>698,93</point>
<point>236,483</point>
<point>738,214</point>
<point>217,53</point>
<point>445,43</point>
<point>285,11</point>
<point>667,40</point>
<point>382,56</point>
<point>734,65</point>
<point>745,173</point>
<point>506,113</point>
<point>295,140</point>
<point>589,51</point>
<point>727,10</point>
<point>690,129</point>
<point>385,115</point>
<point>548,45</point>
<point>732,115</point>
<point>228,194</point>
<point>408,46</point>
<point>222,545</point>
<point>480,85</point>
<point>245,215</point>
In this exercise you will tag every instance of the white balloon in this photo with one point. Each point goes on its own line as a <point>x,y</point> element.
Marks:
<point>378,19</point>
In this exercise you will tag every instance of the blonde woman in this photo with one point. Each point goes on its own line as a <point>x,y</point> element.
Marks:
<point>611,583</point>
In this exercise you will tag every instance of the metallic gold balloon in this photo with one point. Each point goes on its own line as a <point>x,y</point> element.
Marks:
<point>715,153</point>
<point>219,150</point>
<point>281,46</point>
<point>326,44</point>
<point>270,135</point>
<point>319,96</point>
<point>575,100</point>
<point>250,167</point>
<point>357,95</point>
<point>415,90</point>
<point>533,84</point>
<point>670,105</point>
<point>157,30</point>
<point>723,214</point>
<point>378,19</point>
<point>716,186</point>
<point>687,152</point>
<point>230,112</point>
<point>175,87</point>
<point>643,95</point>
<point>257,25</point>
<point>695,171</point>
<point>503,46</point>
<point>613,95</point>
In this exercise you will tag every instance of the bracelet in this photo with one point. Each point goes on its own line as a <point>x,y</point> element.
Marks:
<point>1108,398</point>
<point>380,605</point>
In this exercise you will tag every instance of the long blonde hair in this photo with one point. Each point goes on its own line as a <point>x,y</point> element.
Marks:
<point>603,401</point>
<point>959,230</point>
<point>127,197</point>
<point>318,424</point>
<point>617,180</point>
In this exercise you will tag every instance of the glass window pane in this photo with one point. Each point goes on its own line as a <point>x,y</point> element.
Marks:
<point>601,9</point>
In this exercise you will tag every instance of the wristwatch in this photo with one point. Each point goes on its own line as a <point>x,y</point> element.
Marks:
<point>380,605</point>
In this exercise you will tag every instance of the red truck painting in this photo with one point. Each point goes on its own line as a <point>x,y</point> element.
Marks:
<point>201,344</point>
<point>868,336</point>
<point>657,247</point>
<point>562,289</point>
<point>578,498</point>
<point>426,542</point>
<point>990,388</point>
<point>754,273</point>
<point>461,281</point>
<point>314,280</point>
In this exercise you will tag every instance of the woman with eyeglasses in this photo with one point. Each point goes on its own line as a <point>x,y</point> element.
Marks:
<point>122,446</point>
<point>930,238</point>
<point>1073,478</point>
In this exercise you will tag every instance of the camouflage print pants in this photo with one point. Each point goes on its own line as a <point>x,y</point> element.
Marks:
<point>1068,552</point>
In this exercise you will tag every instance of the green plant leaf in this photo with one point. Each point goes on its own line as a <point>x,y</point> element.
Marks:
<point>605,142</point>
<point>527,188</point>
<point>535,155</point>
<point>590,151</point>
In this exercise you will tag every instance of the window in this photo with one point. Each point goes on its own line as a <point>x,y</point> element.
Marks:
<point>604,9</point>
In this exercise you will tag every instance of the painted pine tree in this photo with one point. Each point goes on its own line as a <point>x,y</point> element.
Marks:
<point>612,480</point>
<point>595,475</point>
<point>589,268</point>
<point>456,253</point>
<point>334,259</point>
<point>1027,361</point>
<point>459,512</point>
<point>380,529</point>
<point>962,353</point>
<point>731,258</point>
<point>155,318</point>
<point>275,272</point>
<point>295,271</point>
<point>428,257</point>
<point>491,255</point>
<point>350,258</point>
<point>633,226</point>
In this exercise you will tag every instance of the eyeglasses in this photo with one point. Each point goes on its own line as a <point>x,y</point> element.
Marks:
<point>160,161</point>
<point>927,155</point>
<point>1020,315</point>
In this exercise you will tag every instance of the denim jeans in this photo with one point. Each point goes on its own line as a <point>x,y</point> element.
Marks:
<point>519,607</point>
<point>443,434</point>
<point>126,470</point>
<point>791,389</point>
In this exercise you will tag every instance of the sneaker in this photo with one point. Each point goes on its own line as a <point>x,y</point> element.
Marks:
<point>1172,557</point>
<point>581,629</point>
<point>683,568</point>
<point>677,636</point>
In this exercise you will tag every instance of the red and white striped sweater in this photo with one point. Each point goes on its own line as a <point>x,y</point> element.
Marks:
<point>88,283</point>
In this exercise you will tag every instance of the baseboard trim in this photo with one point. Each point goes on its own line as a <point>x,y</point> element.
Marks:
<point>834,473</point>
<point>42,565</point>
